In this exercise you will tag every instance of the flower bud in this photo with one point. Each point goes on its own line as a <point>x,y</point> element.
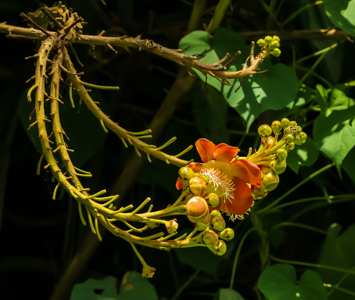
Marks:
<point>259,192</point>
<point>261,43</point>
<point>285,122</point>
<point>172,226</point>
<point>276,38</point>
<point>210,238</point>
<point>203,223</point>
<point>270,141</point>
<point>186,173</point>
<point>220,248</point>
<point>264,131</point>
<point>276,52</point>
<point>299,129</point>
<point>196,207</point>
<point>279,166</point>
<point>268,39</point>
<point>215,213</point>
<point>281,154</point>
<point>290,147</point>
<point>197,186</point>
<point>303,136</point>
<point>276,126</point>
<point>270,181</point>
<point>213,199</point>
<point>293,123</point>
<point>265,170</point>
<point>274,45</point>
<point>289,138</point>
<point>204,177</point>
<point>227,234</point>
<point>287,130</point>
<point>298,140</point>
<point>218,223</point>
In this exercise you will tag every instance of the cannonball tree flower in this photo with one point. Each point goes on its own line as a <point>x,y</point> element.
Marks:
<point>228,176</point>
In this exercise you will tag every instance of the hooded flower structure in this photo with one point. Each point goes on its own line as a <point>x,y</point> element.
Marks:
<point>228,176</point>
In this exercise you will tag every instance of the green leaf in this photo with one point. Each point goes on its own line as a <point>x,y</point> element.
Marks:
<point>348,164</point>
<point>342,14</point>
<point>96,289</point>
<point>335,135</point>
<point>227,294</point>
<point>303,156</point>
<point>339,101</point>
<point>134,287</point>
<point>338,251</point>
<point>279,282</point>
<point>273,89</point>
<point>321,96</point>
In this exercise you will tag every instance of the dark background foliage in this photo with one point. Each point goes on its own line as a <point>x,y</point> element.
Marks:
<point>39,237</point>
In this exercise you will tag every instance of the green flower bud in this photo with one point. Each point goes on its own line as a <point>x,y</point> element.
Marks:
<point>276,38</point>
<point>218,223</point>
<point>287,130</point>
<point>203,223</point>
<point>276,126</point>
<point>213,199</point>
<point>270,181</point>
<point>196,207</point>
<point>215,213</point>
<point>279,166</point>
<point>186,173</point>
<point>259,192</point>
<point>172,226</point>
<point>290,147</point>
<point>204,177</point>
<point>303,136</point>
<point>185,182</point>
<point>285,122</point>
<point>261,43</point>
<point>264,131</point>
<point>299,129</point>
<point>289,138</point>
<point>274,45</point>
<point>281,154</point>
<point>293,123</point>
<point>220,248</point>
<point>227,234</point>
<point>210,238</point>
<point>197,186</point>
<point>268,39</point>
<point>298,140</point>
<point>276,52</point>
<point>265,170</point>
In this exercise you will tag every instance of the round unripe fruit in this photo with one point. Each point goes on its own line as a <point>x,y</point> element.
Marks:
<point>210,238</point>
<point>281,154</point>
<point>270,181</point>
<point>218,223</point>
<point>186,173</point>
<point>285,122</point>
<point>276,126</point>
<point>215,213</point>
<point>221,248</point>
<point>227,234</point>
<point>196,207</point>
<point>213,199</point>
<point>279,166</point>
<point>264,131</point>
<point>197,186</point>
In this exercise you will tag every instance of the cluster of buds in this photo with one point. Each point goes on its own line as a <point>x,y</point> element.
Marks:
<point>272,157</point>
<point>199,210</point>
<point>270,45</point>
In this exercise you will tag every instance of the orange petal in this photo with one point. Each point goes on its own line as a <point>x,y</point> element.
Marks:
<point>196,167</point>
<point>246,171</point>
<point>205,148</point>
<point>179,184</point>
<point>224,152</point>
<point>242,198</point>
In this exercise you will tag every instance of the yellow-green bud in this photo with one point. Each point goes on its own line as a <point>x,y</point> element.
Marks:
<point>204,177</point>
<point>287,130</point>
<point>276,38</point>
<point>299,129</point>
<point>274,44</point>
<point>220,248</point>
<point>218,223</point>
<point>203,223</point>
<point>196,207</point>
<point>213,199</point>
<point>289,138</point>
<point>210,238</point>
<point>261,43</point>
<point>264,131</point>
<point>265,170</point>
<point>259,192</point>
<point>290,147</point>
<point>270,181</point>
<point>303,136</point>
<point>172,226</point>
<point>227,234</point>
<point>285,122</point>
<point>293,123</point>
<point>281,154</point>
<point>197,186</point>
<point>279,166</point>
<point>268,39</point>
<point>215,213</point>
<point>276,126</point>
<point>276,52</point>
<point>298,140</point>
<point>186,173</point>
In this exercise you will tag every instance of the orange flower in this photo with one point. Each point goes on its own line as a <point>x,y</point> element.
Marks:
<point>230,178</point>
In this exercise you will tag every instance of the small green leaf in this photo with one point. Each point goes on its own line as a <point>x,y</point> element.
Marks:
<point>96,289</point>
<point>228,294</point>
<point>348,164</point>
<point>279,282</point>
<point>342,14</point>
<point>303,156</point>
<point>339,101</point>
<point>321,96</point>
